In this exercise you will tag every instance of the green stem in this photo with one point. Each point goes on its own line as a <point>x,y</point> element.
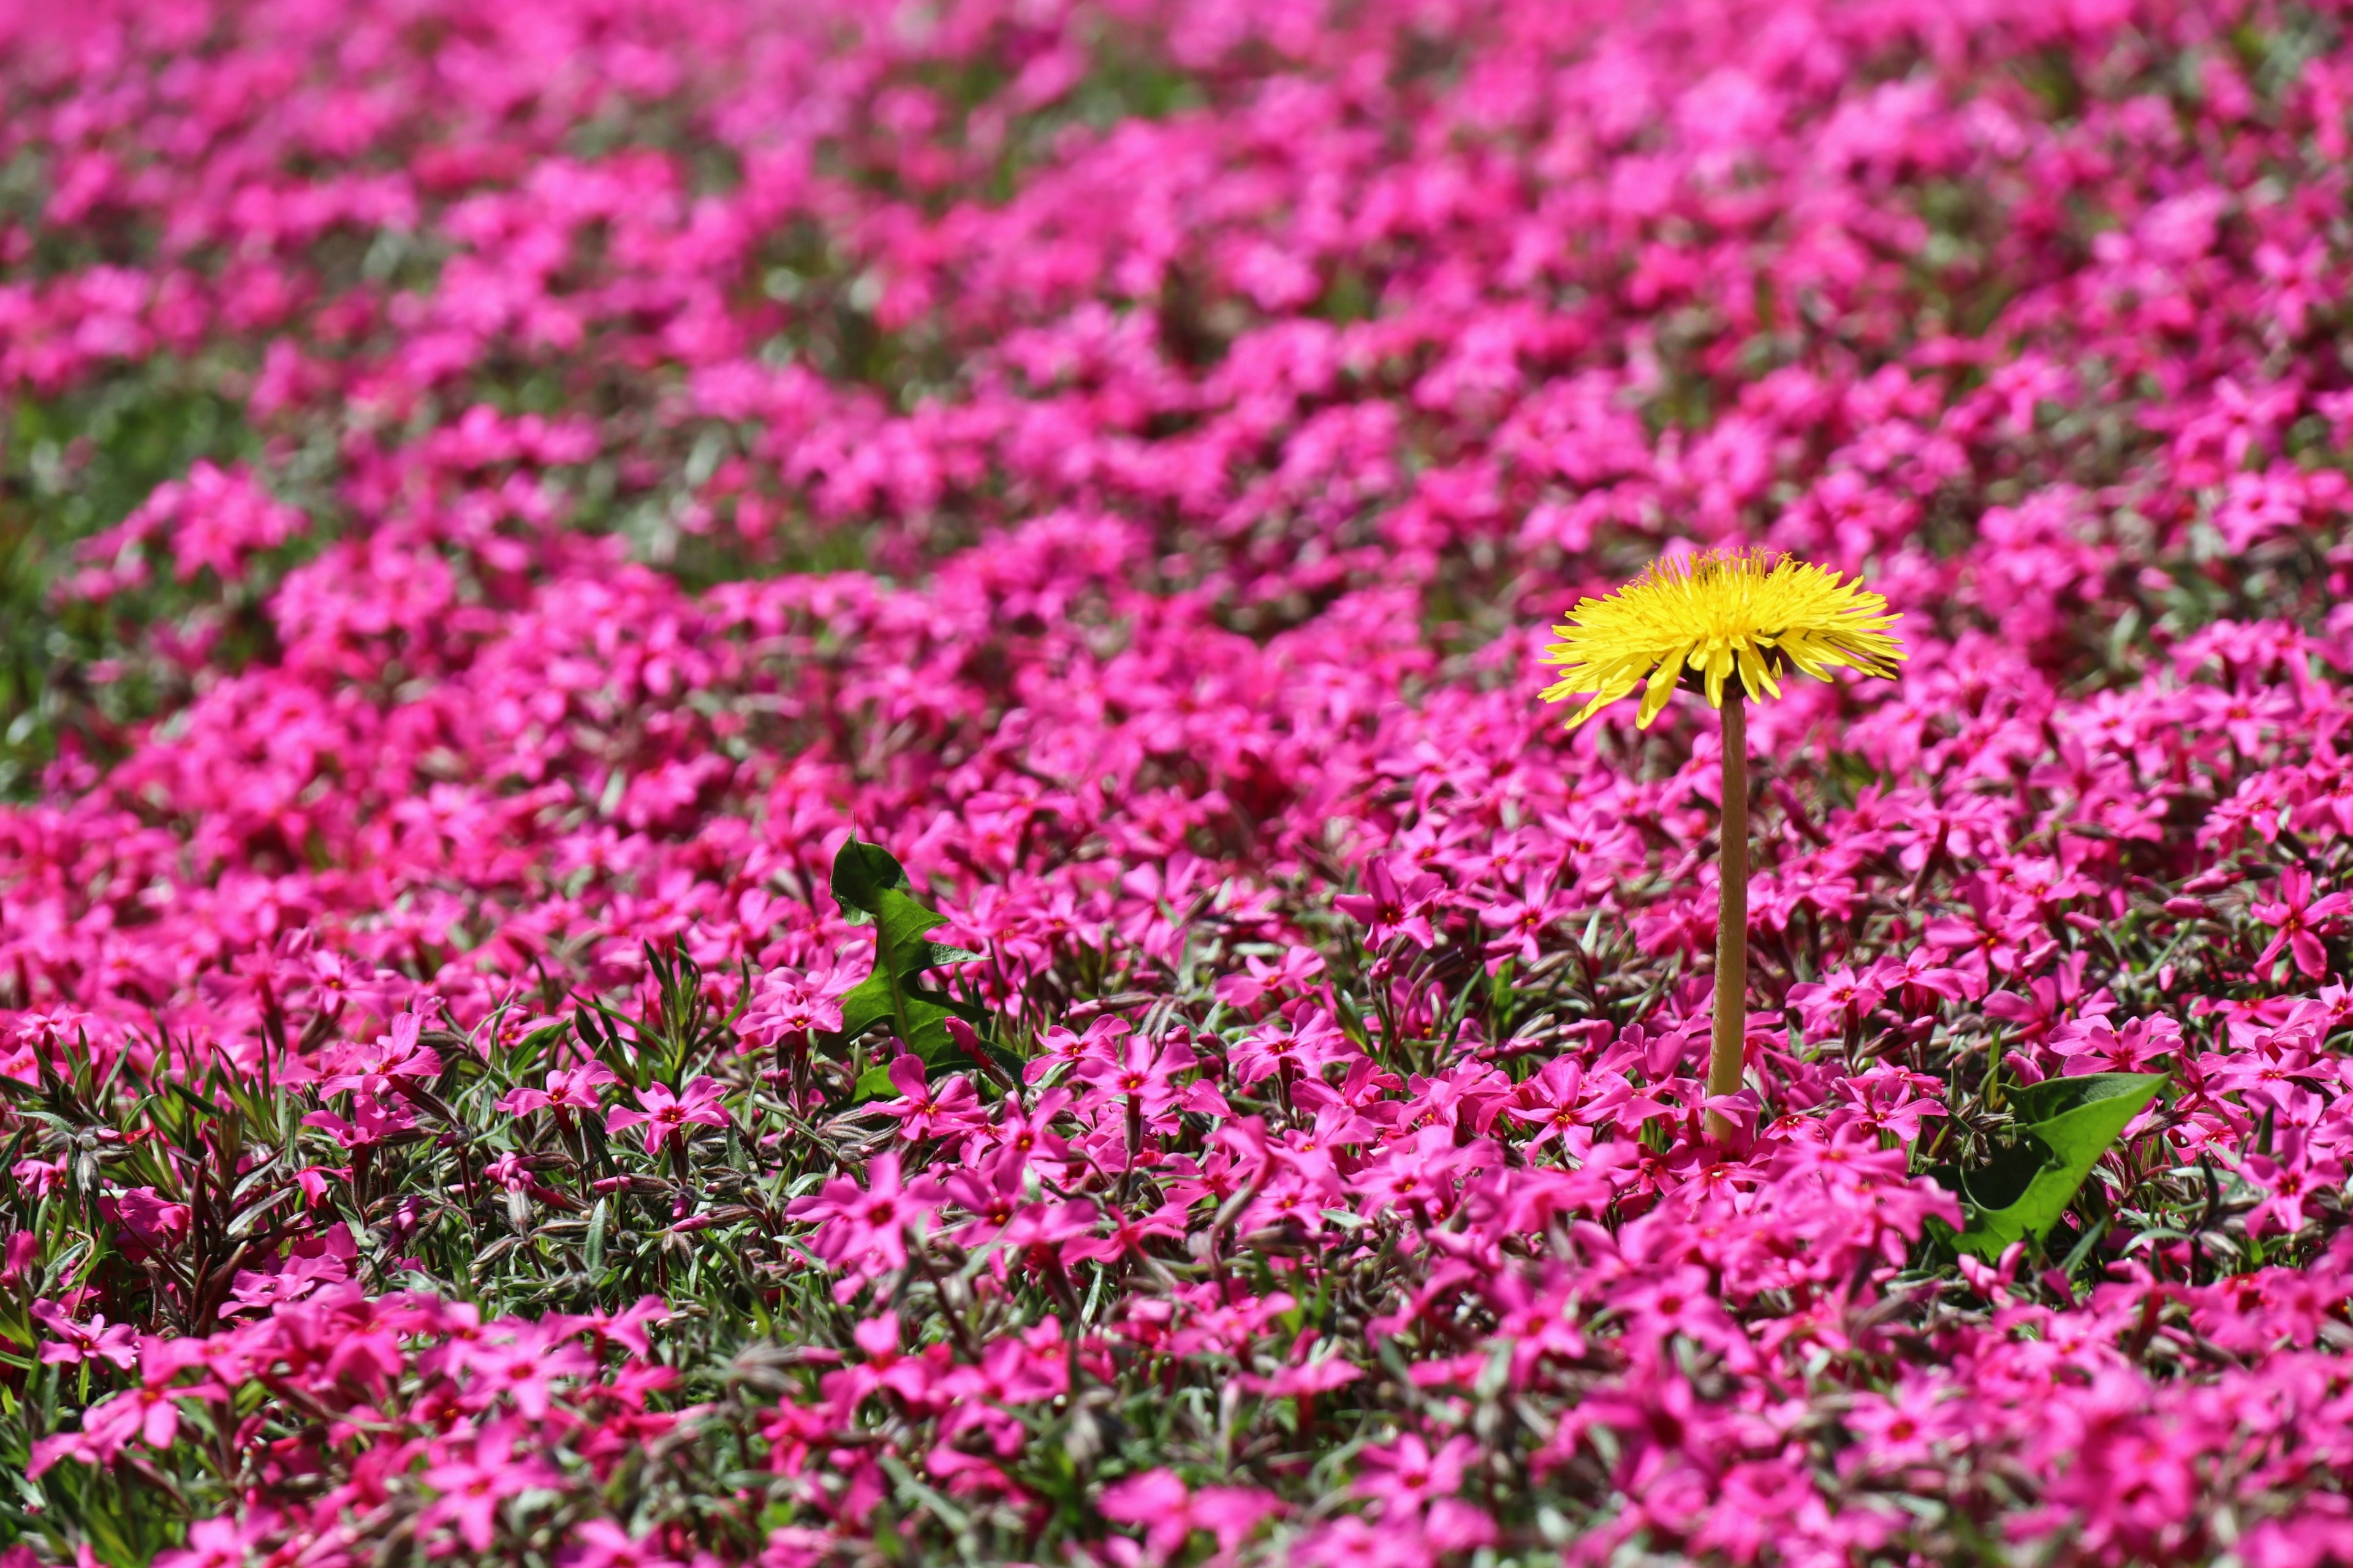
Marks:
<point>1727,1051</point>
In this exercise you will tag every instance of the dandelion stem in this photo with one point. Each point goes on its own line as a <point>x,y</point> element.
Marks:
<point>1727,1052</point>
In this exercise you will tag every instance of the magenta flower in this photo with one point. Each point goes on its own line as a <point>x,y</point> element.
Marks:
<point>601,1544</point>
<point>863,1226</point>
<point>924,1112</point>
<point>225,1542</point>
<point>665,1115</point>
<point>1521,920</point>
<point>2299,921</point>
<point>1390,909</point>
<point>71,1343</point>
<point>473,1489</point>
<point>1144,1073</point>
<point>568,1090</point>
<point>1405,1477</point>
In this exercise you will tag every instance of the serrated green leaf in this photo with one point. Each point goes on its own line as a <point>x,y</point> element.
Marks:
<point>862,872</point>
<point>2065,1125</point>
<point>867,879</point>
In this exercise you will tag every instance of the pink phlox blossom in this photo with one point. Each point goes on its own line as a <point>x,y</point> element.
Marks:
<point>391,1063</point>
<point>1918,972</point>
<point>372,1121</point>
<point>1352,1542</point>
<point>472,1487</point>
<point>1144,1073</point>
<point>665,1115</point>
<point>1292,973</point>
<point>1902,1426</point>
<point>1314,1368</point>
<point>1406,1476</point>
<point>149,1220</point>
<point>1887,1098</point>
<point>1416,1174</point>
<point>1025,1131</point>
<point>1840,1001</point>
<point>886,1366</point>
<point>37,1178</point>
<point>2094,1045</point>
<point>1129,1235</point>
<point>1168,1513</point>
<point>924,1111</point>
<point>1389,907</point>
<point>2299,921</point>
<point>1522,921</point>
<point>566,1091</point>
<point>787,1003</point>
<point>311,1264</point>
<point>1365,1088</point>
<point>229,1541</point>
<point>1059,1047</point>
<point>1682,1300</point>
<point>992,1190</point>
<point>1306,1045</point>
<point>865,1227</point>
<point>2050,999</point>
<point>601,1544</point>
<point>524,1364</point>
<point>2289,1178</point>
<point>70,1343</point>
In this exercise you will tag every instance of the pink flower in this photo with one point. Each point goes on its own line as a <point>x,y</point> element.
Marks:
<point>1405,1477</point>
<point>788,1004</point>
<point>72,1344</point>
<point>472,1488</point>
<point>1523,919</point>
<point>867,1227</point>
<point>1389,907</point>
<point>394,1061</point>
<point>1144,1073</point>
<point>226,1542</point>
<point>1168,1513</point>
<point>601,1544</point>
<point>923,1112</point>
<point>567,1090</point>
<point>665,1115</point>
<point>2300,919</point>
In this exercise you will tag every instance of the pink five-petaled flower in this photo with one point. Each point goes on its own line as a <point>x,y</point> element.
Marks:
<point>1168,1513</point>
<point>1523,920</point>
<point>601,1544</point>
<point>394,1061</point>
<point>2297,916</point>
<point>224,1543</point>
<point>75,1342</point>
<point>1390,909</point>
<point>923,1112</point>
<point>787,1003</point>
<point>665,1115</point>
<point>472,1488</point>
<point>1405,1477</point>
<point>524,1368</point>
<point>567,1090</point>
<point>868,1225</point>
<point>1145,1072</point>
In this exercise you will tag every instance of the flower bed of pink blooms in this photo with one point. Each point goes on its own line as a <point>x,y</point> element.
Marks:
<point>513,487</point>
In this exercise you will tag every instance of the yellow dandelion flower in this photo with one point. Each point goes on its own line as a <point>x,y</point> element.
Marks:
<point>1749,613</point>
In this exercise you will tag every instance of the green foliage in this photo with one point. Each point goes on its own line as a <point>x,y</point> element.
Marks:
<point>871,888</point>
<point>2064,1125</point>
<point>71,465</point>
